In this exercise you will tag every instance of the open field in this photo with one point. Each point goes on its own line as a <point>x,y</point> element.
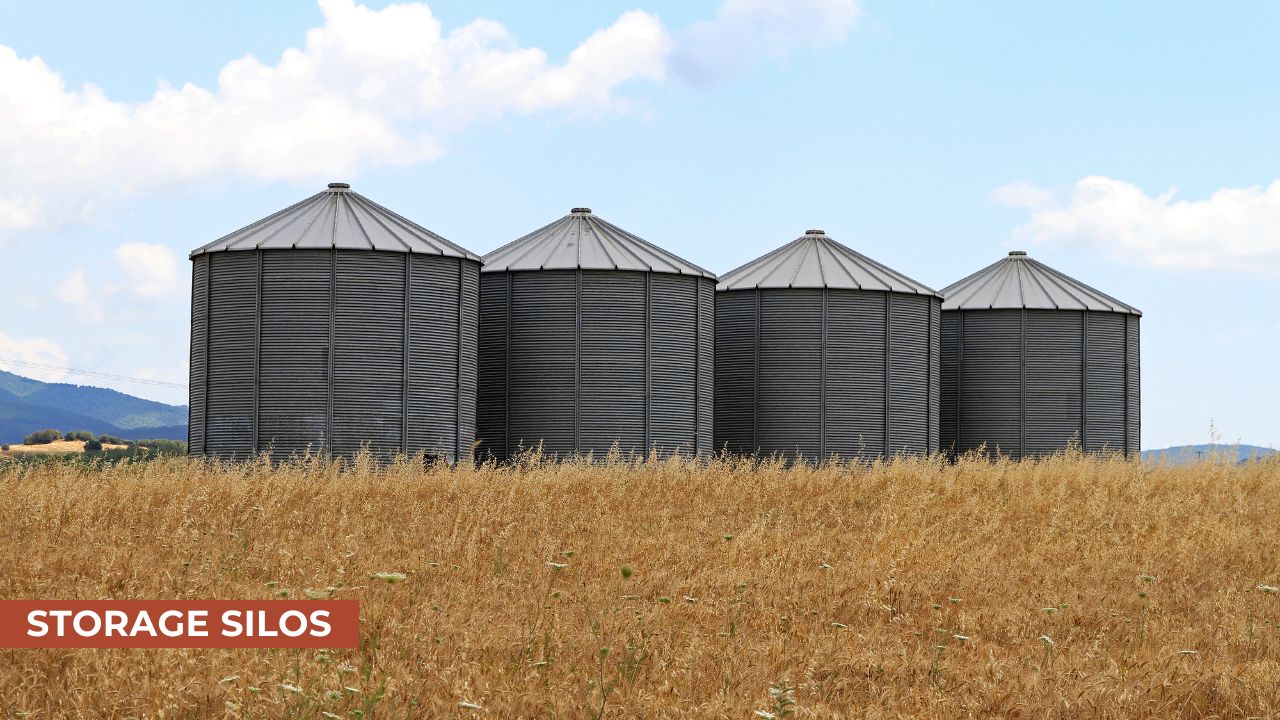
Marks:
<point>1066,588</point>
<point>57,447</point>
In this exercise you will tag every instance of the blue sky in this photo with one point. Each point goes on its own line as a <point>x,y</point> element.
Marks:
<point>1131,145</point>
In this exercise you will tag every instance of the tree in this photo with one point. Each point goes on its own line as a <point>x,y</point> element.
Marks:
<point>42,437</point>
<point>92,446</point>
<point>84,435</point>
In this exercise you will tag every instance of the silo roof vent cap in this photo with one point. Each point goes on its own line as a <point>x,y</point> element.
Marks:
<point>1017,253</point>
<point>339,186</point>
<point>580,211</point>
<point>814,232</point>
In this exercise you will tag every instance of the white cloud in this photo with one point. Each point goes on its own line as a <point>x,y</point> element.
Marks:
<point>150,270</point>
<point>40,351</point>
<point>746,31</point>
<point>1021,194</point>
<point>74,289</point>
<point>1233,229</point>
<point>367,88</point>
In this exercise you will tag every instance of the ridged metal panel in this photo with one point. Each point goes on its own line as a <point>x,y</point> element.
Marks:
<point>491,398</point>
<point>611,403</point>
<point>855,373</point>
<point>950,416</point>
<point>1105,395</point>
<point>294,362</point>
<point>581,360</point>
<point>542,395</point>
<point>706,359</point>
<point>935,374</point>
<point>368,362</point>
<point>1055,355</point>
<point>1133,387</point>
<point>199,340</point>
<point>677,402</point>
<point>433,355</point>
<point>910,374</point>
<point>735,372</point>
<point>990,393</point>
<point>228,422</point>
<point>789,397</point>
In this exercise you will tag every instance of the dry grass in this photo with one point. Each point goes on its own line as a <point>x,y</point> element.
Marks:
<point>57,447</point>
<point>1066,588</point>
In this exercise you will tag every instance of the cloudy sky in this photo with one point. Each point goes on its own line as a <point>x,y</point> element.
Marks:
<point>1132,145</point>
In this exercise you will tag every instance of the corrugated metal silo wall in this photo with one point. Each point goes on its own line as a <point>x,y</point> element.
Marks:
<point>197,366</point>
<point>580,360</point>
<point>822,373</point>
<point>1026,382</point>
<point>442,355</point>
<point>324,334</point>
<point>294,367</point>
<point>230,358</point>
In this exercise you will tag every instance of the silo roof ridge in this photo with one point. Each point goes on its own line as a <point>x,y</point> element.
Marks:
<point>336,218</point>
<point>815,260</point>
<point>1018,281</point>
<point>585,241</point>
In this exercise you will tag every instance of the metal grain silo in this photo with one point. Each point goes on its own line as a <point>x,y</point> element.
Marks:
<point>1033,360</point>
<point>823,352</point>
<point>591,336</point>
<point>332,324</point>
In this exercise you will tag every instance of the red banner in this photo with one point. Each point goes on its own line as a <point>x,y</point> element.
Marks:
<point>179,623</point>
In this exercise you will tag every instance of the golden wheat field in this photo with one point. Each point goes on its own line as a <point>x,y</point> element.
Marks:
<point>1071,587</point>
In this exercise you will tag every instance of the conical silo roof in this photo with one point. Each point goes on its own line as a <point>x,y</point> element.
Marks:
<point>336,218</point>
<point>1017,282</point>
<point>814,260</point>
<point>584,241</point>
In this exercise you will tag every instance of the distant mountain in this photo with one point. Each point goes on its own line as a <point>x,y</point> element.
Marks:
<point>1191,453</point>
<point>27,405</point>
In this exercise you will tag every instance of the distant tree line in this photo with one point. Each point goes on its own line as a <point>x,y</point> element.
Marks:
<point>94,444</point>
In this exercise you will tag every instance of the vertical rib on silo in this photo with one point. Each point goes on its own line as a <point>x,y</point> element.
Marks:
<point>888,375</point>
<point>822,383</point>
<point>468,353</point>
<point>408,345</point>
<point>1133,386</point>
<point>257,350</point>
<point>707,366</point>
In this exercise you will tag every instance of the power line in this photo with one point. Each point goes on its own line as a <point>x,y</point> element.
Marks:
<point>91,373</point>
